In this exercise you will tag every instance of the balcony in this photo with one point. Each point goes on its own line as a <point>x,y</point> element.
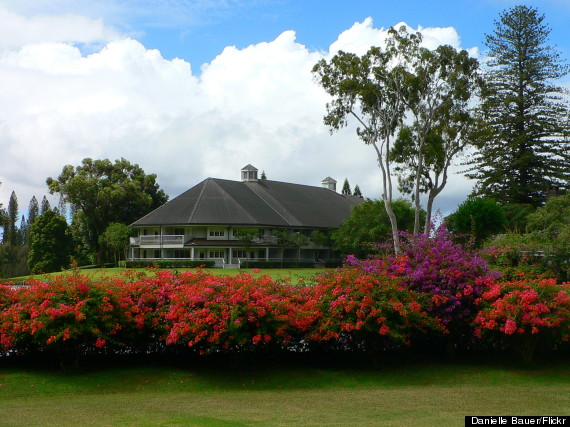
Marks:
<point>266,240</point>
<point>175,240</point>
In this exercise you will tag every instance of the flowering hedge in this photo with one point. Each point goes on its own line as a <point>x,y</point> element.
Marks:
<point>451,276</point>
<point>356,309</point>
<point>212,313</point>
<point>68,313</point>
<point>528,310</point>
<point>348,308</point>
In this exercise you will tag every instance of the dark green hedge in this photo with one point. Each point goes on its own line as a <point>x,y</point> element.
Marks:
<point>167,263</point>
<point>277,264</point>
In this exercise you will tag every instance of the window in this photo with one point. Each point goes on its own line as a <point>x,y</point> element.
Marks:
<point>179,231</point>
<point>218,233</point>
<point>216,254</point>
<point>181,253</point>
<point>238,253</point>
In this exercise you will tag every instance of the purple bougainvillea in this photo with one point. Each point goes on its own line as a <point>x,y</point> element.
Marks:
<point>452,275</point>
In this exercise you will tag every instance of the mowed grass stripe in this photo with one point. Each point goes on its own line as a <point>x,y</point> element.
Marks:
<point>419,395</point>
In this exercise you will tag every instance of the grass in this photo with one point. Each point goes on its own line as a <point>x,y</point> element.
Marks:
<point>404,395</point>
<point>296,275</point>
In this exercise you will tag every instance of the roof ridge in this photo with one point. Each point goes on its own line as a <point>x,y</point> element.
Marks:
<point>273,203</point>
<point>234,200</point>
<point>205,182</point>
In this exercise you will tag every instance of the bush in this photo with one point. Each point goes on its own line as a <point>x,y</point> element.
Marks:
<point>229,313</point>
<point>355,310</point>
<point>285,264</point>
<point>527,310</point>
<point>68,315</point>
<point>165,263</point>
<point>368,308</point>
<point>479,218</point>
<point>453,276</point>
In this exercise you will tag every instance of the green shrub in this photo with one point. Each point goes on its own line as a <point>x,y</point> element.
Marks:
<point>278,264</point>
<point>167,263</point>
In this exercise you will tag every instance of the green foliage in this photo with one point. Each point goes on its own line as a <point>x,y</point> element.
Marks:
<point>479,218</point>
<point>11,229</point>
<point>431,88</point>
<point>544,249</point>
<point>516,215</point>
<point>368,224</point>
<point>346,188</point>
<point>116,238</point>
<point>525,152</point>
<point>33,210</point>
<point>13,260</point>
<point>281,265</point>
<point>167,263</point>
<point>101,192</point>
<point>247,237</point>
<point>357,191</point>
<point>440,87</point>
<point>45,206</point>
<point>371,89</point>
<point>50,243</point>
<point>553,219</point>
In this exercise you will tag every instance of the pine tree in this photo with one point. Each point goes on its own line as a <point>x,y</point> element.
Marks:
<point>45,206</point>
<point>11,229</point>
<point>357,191</point>
<point>62,206</point>
<point>22,231</point>
<point>33,210</point>
<point>346,188</point>
<point>263,176</point>
<point>523,153</point>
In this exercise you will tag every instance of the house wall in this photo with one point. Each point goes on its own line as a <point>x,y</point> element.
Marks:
<point>266,249</point>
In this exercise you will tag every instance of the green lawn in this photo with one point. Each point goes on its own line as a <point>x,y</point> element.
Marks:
<point>296,275</point>
<point>405,395</point>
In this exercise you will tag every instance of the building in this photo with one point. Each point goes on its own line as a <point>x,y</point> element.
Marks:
<point>234,221</point>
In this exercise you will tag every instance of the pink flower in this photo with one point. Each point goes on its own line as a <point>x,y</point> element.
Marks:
<point>83,288</point>
<point>510,327</point>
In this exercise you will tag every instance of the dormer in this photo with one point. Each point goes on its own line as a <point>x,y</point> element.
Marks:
<point>329,183</point>
<point>249,174</point>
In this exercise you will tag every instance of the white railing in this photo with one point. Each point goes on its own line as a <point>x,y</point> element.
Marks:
<point>175,239</point>
<point>268,240</point>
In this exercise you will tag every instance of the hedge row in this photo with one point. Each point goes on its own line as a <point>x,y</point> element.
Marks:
<point>279,264</point>
<point>347,309</point>
<point>165,263</point>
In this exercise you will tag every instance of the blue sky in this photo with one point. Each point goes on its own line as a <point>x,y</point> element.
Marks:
<point>195,88</point>
<point>199,30</point>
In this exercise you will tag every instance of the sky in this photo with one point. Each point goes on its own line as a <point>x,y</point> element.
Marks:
<point>191,89</point>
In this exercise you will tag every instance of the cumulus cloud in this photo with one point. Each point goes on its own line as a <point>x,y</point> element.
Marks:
<point>18,30</point>
<point>257,105</point>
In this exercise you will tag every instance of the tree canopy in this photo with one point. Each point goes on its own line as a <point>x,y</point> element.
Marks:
<point>525,153</point>
<point>50,246</point>
<point>432,90</point>
<point>368,224</point>
<point>101,192</point>
<point>478,218</point>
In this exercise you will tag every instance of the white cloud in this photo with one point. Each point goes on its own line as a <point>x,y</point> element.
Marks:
<point>18,30</point>
<point>362,35</point>
<point>256,105</point>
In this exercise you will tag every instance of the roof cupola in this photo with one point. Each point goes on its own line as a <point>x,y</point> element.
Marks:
<point>329,183</point>
<point>249,174</point>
